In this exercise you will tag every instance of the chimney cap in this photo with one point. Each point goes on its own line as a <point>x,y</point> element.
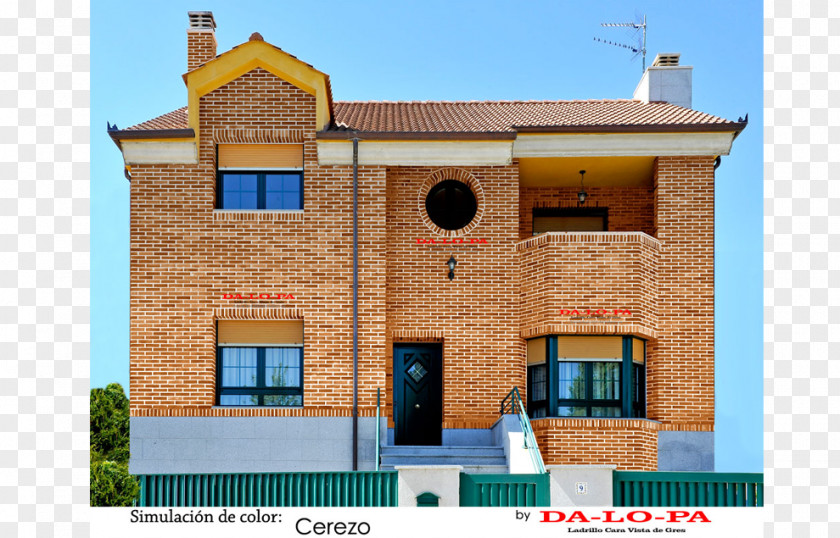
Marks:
<point>201,20</point>
<point>666,59</point>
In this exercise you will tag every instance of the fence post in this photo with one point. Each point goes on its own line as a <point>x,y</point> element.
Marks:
<point>581,485</point>
<point>415,480</point>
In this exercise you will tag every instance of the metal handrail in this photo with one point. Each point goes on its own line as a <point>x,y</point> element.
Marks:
<point>512,404</point>
<point>377,429</point>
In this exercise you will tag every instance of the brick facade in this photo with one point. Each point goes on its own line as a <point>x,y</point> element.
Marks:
<point>185,256</point>
<point>629,444</point>
<point>630,209</point>
<point>657,261</point>
<point>681,372</point>
<point>580,271</point>
<point>475,315</point>
<point>201,47</point>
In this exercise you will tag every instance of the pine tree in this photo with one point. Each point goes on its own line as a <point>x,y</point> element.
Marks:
<point>110,482</point>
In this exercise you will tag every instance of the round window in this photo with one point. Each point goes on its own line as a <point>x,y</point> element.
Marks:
<point>451,204</point>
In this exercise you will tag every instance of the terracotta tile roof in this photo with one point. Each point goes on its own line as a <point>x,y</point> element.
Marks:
<point>429,117</point>
<point>177,119</point>
<point>507,116</point>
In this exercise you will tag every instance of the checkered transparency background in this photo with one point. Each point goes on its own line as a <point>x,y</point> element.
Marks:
<point>802,267</point>
<point>44,267</point>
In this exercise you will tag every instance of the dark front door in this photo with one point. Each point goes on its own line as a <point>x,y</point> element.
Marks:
<point>418,394</point>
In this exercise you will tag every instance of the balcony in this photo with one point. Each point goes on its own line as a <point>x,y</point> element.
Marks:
<point>589,283</point>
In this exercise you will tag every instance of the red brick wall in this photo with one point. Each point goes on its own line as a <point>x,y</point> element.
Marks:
<point>680,373</point>
<point>185,256</point>
<point>629,444</point>
<point>476,314</point>
<point>630,209</point>
<point>583,271</point>
<point>201,47</point>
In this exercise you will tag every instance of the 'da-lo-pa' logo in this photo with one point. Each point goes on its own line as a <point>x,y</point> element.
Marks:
<point>264,296</point>
<point>453,241</point>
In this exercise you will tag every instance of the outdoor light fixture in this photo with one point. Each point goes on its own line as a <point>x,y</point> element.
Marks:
<point>582,194</point>
<point>451,264</point>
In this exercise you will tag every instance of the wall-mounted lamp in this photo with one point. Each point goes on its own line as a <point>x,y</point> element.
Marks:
<point>451,264</point>
<point>582,194</point>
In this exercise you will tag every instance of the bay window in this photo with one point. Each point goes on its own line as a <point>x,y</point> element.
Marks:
<point>586,376</point>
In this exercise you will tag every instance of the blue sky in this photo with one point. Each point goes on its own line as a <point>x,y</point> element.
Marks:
<point>444,50</point>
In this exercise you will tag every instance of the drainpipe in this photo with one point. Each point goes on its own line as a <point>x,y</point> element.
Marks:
<point>355,304</point>
<point>717,162</point>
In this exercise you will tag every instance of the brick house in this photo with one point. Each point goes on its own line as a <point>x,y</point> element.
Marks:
<point>565,248</point>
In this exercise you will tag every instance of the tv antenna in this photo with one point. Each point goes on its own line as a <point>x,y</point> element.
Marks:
<point>641,45</point>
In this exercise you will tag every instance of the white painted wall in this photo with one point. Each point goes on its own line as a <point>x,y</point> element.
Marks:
<point>508,433</point>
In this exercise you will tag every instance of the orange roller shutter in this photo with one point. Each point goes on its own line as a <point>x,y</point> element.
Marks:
<point>260,332</point>
<point>589,347</point>
<point>260,155</point>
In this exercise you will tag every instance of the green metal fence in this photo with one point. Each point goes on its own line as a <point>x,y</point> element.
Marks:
<point>663,488</point>
<point>504,490</point>
<point>359,488</point>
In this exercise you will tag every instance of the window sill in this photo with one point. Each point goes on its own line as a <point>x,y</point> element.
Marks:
<point>258,407</point>
<point>648,420</point>
<point>271,215</point>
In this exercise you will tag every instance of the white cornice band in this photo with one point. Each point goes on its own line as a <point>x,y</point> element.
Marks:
<point>468,152</point>
<point>416,153</point>
<point>623,144</point>
<point>144,152</point>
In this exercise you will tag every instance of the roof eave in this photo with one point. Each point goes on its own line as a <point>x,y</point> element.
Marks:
<point>405,135</point>
<point>736,127</point>
<point>139,134</point>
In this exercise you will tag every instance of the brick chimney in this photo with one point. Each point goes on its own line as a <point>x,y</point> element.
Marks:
<point>201,38</point>
<point>666,80</point>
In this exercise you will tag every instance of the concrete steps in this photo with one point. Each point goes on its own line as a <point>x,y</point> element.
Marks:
<point>474,459</point>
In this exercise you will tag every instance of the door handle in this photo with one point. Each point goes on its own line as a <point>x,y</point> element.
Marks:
<point>416,406</point>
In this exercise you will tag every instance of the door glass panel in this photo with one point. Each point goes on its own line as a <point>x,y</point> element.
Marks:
<point>417,372</point>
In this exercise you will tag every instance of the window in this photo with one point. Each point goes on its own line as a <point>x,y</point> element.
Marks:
<point>570,219</point>
<point>451,204</point>
<point>261,376</point>
<point>261,190</point>
<point>586,377</point>
<point>589,389</point>
<point>260,176</point>
<point>260,363</point>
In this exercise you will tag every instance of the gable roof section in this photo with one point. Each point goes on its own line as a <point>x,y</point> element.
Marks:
<point>248,56</point>
<point>494,119</point>
<point>177,119</point>
<point>420,119</point>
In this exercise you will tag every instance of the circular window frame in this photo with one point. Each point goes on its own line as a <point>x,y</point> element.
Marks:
<point>462,176</point>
